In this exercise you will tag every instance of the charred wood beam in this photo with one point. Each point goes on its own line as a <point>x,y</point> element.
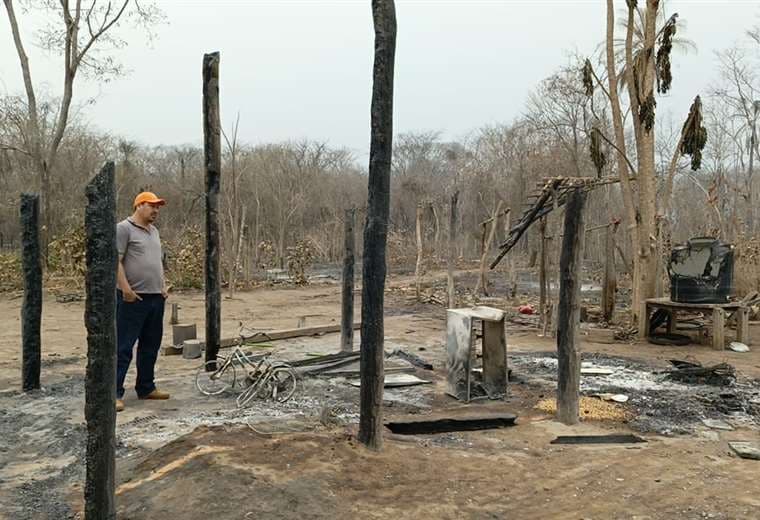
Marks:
<point>31,308</point>
<point>376,225</point>
<point>100,320</point>
<point>212,151</point>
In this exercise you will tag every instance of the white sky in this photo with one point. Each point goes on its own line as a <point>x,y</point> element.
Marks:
<point>303,68</point>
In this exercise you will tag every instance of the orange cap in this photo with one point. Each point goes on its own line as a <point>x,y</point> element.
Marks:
<point>148,197</point>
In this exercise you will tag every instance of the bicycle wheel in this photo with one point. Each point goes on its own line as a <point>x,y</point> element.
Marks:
<point>282,384</point>
<point>215,377</point>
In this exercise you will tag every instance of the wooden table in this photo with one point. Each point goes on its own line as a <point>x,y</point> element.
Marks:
<point>718,311</point>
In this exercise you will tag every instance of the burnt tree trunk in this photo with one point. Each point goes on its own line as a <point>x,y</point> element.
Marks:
<point>31,308</point>
<point>451,251</point>
<point>568,312</point>
<point>212,152</point>
<point>100,320</point>
<point>376,226</point>
<point>347,301</point>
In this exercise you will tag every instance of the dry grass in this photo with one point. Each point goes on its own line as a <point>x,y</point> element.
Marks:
<point>591,409</point>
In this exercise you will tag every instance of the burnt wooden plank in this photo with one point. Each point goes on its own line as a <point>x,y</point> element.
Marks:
<point>598,439</point>
<point>454,423</point>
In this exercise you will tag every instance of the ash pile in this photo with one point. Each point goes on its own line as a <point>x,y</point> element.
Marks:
<point>670,401</point>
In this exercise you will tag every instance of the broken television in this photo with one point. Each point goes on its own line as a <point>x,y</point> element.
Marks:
<point>701,271</point>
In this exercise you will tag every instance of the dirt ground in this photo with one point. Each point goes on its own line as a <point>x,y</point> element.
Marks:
<point>195,457</point>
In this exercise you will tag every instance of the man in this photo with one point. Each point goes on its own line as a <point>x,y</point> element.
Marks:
<point>140,298</point>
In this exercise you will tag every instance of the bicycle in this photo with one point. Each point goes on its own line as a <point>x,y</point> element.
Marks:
<point>275,379</point>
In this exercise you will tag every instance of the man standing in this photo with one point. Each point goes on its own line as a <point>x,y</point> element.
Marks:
<point>140,298</point>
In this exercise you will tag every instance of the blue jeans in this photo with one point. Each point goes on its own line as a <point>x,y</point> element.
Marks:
<point>141,321</point>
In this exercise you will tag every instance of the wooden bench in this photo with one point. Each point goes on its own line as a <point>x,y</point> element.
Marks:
<point>717,310</point>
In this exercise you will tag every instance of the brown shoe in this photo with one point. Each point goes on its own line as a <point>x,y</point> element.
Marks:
<point>156,394</point>
<point>119,405</point>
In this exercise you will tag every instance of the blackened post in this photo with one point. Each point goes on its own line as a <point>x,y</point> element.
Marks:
<point>451,290</point>
<point>212,150</point>
<point>568,312</point>
<point>100,320</point>
<point>376,226</point>
<point>347,307</point>
<point>542,289</point>
<point>31,308</point>
<point>609,288</point>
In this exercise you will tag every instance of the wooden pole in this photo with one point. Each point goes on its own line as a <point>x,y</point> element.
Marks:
<point>418,266</point>
<point>347,307</point>
<point>609,287</point>
<point>376,226</point>
<point>511,281</point>
<point>212,151</point>
<point>542,270</point>
<point>568,311</point>
<point>485,246</point>
<point>451,251</point>
<point>31,308</point>
<point>100,320</point>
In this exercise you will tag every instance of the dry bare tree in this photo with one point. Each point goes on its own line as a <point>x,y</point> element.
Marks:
<point>84,33</point>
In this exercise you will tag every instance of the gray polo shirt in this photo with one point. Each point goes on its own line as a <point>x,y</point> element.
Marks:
<point>140,253</point>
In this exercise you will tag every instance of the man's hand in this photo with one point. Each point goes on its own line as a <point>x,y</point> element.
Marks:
<point>131,296</point>
<point>164,293</point>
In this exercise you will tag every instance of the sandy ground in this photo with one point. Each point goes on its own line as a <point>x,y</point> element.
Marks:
<point>194,457</point>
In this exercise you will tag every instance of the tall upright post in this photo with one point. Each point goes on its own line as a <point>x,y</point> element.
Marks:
<point>376,226</point>
<point>100,320</point>
<point>609,287</point>
<point>451,250</point>
<point>542,289</point>
<point>418,266</point>
<point>347,307</point>
<point>750,171</point>
<point>568,312</point>
<point>212,152</point>
<point>31,308</point>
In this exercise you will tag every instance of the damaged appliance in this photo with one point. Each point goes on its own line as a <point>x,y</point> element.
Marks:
<point>701,271</point>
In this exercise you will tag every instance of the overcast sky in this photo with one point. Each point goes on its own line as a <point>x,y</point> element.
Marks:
<point>303,68</point>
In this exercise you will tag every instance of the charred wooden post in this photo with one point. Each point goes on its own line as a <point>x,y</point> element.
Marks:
<point>212,151</point>
<point>568,311</point>
<point>542,290</point>
<point>511,276</point>
<point>451,251</point>
<point>376,226</point>
<point>100,320</point>
<point>347,301</point>
<point>418,266</point>
<point>31,308</point>
<point>609,287</point>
